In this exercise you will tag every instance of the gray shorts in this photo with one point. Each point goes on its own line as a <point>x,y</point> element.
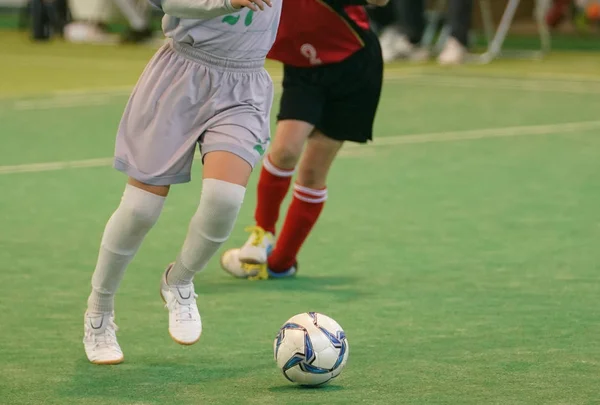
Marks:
<point>185,97</point>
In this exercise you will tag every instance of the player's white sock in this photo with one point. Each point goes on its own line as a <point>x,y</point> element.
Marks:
<point>209,228</point>
<point>136,215</point>
<point>136,16</point>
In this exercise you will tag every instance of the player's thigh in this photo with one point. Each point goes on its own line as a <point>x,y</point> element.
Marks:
<point>317,159</point>
<point>226,166</point>
<point>161,191</point>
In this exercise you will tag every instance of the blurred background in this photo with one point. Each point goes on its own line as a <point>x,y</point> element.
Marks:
<point>465,270</point>
<point>404,24</point>
<point>415,33</point>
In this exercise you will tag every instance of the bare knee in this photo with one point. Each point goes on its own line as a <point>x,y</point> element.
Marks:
<point>285,155</point>
<point>289,142</point>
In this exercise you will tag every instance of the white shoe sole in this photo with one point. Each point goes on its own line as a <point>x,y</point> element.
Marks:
<point>108,362</point>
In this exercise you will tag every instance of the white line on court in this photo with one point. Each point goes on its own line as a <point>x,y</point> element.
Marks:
<point>350,150</point>
<point>504,84</point>
<point>63,102</point>
<point>45,167</point>
<point>94,97</point>
<point>59,61</point>
<point>494,72</point>
<point>92,90</point>
<point>501,132</point>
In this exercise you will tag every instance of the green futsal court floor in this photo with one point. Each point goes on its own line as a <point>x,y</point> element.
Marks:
<point>460,251</point>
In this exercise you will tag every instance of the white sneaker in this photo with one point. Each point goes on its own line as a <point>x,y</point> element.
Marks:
<point>394,45</point>
<point>231,263</point>
<point>100,339</point>
<point>81,32</point>
<point>454,53</point>
<point>185,325</point>
<point>397,46</point>
<point>258,246</point>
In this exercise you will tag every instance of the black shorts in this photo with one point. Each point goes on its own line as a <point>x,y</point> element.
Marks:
<point>339,99</point>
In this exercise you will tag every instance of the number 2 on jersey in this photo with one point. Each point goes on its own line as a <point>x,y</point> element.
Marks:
<point>310,53</point>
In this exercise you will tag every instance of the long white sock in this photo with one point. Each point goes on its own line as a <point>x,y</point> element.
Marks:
<point>209,228</point>
<point>137,17</point>
<point>136,215</point>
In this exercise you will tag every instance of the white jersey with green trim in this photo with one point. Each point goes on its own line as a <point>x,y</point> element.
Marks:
<point>215,27</point>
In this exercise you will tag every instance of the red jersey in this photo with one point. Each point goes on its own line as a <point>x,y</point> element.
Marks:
<point>318,32</point>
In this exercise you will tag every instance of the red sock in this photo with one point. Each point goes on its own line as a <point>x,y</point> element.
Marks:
<point>273,185</point>
<point>301,217</point>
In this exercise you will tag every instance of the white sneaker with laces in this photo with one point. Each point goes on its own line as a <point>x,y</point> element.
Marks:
<point>100,338</point>
<point>185,325</point>
<point>258,246</point>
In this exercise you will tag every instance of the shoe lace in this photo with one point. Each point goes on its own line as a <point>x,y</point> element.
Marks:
<point>256,271</point>
<point>258,234</point>
<point>106,337</point>
<point>184,312</point>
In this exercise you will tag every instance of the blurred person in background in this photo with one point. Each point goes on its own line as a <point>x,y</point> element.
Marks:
<point>384,17</point>
<point>138,16</point>
<point>584,14</point>
<point>558,12</point>
<point>403,27</point>
<point>46,18</point>
<point>90,18</point>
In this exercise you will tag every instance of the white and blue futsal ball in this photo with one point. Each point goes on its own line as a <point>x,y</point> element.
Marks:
<point>311,349</point>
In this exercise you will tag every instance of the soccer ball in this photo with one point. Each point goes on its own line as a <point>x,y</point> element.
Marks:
<point>311,349</point>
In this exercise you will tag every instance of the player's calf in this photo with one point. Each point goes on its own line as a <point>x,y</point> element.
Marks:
<point>317,160</point>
